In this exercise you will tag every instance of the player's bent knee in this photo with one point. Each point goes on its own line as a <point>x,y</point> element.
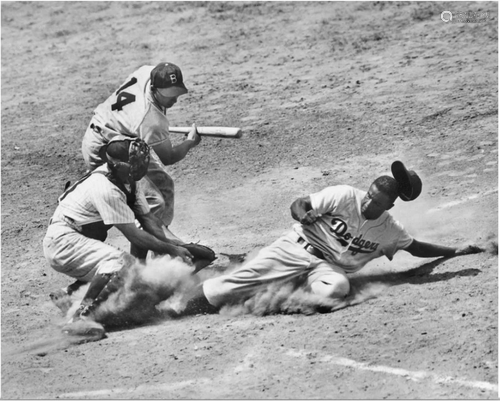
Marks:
<point>213,290</point>
<point>337,289</point>
<point>116,261</point>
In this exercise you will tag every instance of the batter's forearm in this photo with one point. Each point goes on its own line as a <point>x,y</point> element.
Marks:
<point>169,154</point>
<point>180,151</point>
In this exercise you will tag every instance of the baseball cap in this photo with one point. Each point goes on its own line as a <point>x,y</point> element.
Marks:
<point>117,149</point>
<point>167,78</point>
<point>409,183</point>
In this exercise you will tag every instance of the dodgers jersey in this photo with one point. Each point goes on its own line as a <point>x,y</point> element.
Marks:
<point>98,199</point>
<point>344,236</point>
<point>132,111</point>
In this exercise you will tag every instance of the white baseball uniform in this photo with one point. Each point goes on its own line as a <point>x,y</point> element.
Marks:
<point>346,241</point>
<point>132,111</point>
<point>94,200</point>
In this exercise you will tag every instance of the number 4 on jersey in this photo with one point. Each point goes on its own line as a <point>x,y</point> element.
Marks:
<point>124,98</point>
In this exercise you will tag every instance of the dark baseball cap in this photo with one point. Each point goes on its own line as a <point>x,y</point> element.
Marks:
<point>117,148</point>
<point>409,183</point>
<point>167,79</point>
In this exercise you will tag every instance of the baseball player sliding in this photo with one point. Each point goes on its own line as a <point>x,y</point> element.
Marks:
<point>106,197</point>
<point>137,109</point>
<point>339,230</point>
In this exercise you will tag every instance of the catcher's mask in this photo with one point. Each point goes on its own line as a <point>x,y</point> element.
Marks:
<point>409,183</point>
<point>128,157</point>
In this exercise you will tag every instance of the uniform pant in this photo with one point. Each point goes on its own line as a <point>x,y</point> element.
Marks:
<point>71,253</point>
<point>157,185</point>
<point>282,261</point>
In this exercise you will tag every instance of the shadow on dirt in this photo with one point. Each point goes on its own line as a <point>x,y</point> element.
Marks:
<point>419,275</point>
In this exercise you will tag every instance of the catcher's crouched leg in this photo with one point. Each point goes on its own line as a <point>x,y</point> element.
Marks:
<point>83,322</point>
<point>127,301</point>
<point>93,298</point>
<point>116,281</point>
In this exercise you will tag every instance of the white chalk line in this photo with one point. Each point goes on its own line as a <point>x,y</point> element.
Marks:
<point>141,389</point>
<point>413,375</point>
<point>460,201</point>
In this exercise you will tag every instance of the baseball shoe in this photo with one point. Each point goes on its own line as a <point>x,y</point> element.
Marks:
<point>200,306</point>
<point>83,327</point>
<point>83,330</point>
<point>323,309</point>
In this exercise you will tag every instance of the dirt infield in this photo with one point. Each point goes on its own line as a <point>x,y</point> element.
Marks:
<point>326,93</point>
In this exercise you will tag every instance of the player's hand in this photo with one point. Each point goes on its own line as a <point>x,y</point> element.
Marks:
<point>194,136</point>
<point>310,217</point>
<point>469,249</point>
<point>184,254</point>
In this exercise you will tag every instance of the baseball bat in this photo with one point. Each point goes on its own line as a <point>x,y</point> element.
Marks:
<point>216,132</point>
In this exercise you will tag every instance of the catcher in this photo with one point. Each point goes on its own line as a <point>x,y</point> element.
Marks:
<point>339,230</point>
<point>106,197</point>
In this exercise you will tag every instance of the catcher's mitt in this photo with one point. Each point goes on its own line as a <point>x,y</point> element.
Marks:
<point>202,255</point>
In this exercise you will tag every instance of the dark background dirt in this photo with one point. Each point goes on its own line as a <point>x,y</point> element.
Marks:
<point>326,93</point>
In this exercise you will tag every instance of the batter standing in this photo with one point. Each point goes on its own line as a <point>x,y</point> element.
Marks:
<point>137,109</point>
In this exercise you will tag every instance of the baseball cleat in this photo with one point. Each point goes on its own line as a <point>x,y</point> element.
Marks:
<point>84,330</point>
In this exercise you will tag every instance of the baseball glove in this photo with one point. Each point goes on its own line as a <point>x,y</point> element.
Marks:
<point>202,255</point>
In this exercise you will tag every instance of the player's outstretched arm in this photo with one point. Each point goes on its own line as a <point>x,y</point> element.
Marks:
<point>422,249</point>
<point>143,240</point>
<point>153,225</point>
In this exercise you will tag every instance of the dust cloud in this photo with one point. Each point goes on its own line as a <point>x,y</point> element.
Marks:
<point>287,299</point>
<point>164,284</point>
<point>144,287</point>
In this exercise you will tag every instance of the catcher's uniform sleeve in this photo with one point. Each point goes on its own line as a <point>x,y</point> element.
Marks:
<point>111,203</point>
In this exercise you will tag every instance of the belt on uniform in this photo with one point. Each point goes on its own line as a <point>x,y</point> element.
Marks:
<point>69,222</point>
<point>97,230</point>
<point>101,131</point>
<point>309,248</point>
